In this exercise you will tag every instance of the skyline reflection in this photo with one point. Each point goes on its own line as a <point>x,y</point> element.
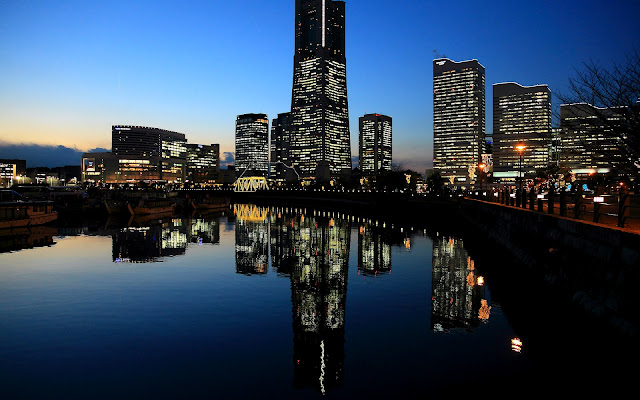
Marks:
<point>458,301</point>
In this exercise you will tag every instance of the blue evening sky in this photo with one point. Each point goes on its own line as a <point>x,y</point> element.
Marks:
<point>71,68</point>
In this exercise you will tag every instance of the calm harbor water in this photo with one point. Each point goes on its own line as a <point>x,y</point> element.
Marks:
<point>279,302</point>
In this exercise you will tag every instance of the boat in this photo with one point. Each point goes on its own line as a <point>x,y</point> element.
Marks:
<point>210,204</point>
<point>152,206</point>
<point>116,206</point>
<point>16,214</point>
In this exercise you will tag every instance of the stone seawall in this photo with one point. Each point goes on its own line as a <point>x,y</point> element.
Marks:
<point>597,266</point>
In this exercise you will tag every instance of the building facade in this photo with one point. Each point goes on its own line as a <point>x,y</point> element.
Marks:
<point>458,119</point>
<point>138,154</point>
<point>252,145</point>
<point>521,117</point>
<point>375,144</point>
<point>280,147</point>
<point>320,141</point>
<point>589,142</point>
<point>203,163</point>
<point>12,171</point>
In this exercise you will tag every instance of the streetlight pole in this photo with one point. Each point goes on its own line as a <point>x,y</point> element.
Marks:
<point>481,167</point>
<point>520,149</point>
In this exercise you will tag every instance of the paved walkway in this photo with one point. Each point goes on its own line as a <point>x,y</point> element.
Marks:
<point>608,217</point>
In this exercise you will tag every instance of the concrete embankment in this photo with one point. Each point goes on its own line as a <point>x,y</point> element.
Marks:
<point>597,266</point>
<point>418,210</point>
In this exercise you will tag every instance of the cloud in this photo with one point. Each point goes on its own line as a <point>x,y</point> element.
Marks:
<point>41,156</point>
<point>99,150</point>
<point>228,158</point>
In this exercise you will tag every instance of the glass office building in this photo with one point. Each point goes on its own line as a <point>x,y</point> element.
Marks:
<point>252,145</point>
<point>521,116</point>
<point>280,147</point>
<point>320,138</point>
<point>458,119</point>
<point>375,144</point>
<point>590,139</point>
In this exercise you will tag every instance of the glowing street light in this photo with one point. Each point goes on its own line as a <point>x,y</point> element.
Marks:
<point>520,148</point>
<point>481,167</point>
<point>516,345</point>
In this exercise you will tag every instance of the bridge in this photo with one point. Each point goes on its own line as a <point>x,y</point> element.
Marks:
<point>250,184</point>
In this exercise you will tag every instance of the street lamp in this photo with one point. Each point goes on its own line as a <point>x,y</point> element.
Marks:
<point>520,149</point>
<point>481,167</point>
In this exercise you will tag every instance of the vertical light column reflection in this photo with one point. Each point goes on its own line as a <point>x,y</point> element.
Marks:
<point>374,252</point>
<point>314,252</point>
<point>458,299</point>
<point>252,239</point>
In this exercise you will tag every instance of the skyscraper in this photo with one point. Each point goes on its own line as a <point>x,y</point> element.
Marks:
<point>590,140</point>
<point>521,116</point>
<point>252,145</point>
<point>375,144</point>
<point>203,163</point>
<point>458,118</point>
<point>143,154</point>
<point>320,142</point>
<point>141,141</point>
<point>280,146</point>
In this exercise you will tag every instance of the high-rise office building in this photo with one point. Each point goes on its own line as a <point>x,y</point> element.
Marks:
<point>588,142</point>
<point>138,154</point>
<point>280,146</point>
<point>458,119</point>
<point>203,163</point>
<point>127,140</point>
<point>252,145</point>
<point>320,141</point>
<point>521,117</point>
<point>375,144</point>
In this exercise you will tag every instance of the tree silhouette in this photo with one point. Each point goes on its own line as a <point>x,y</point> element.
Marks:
<point>614,89</point>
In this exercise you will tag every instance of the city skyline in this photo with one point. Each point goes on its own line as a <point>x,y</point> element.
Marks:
<point>73,70</point>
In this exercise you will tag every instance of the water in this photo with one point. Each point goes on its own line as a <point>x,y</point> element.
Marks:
<point>273,302</point>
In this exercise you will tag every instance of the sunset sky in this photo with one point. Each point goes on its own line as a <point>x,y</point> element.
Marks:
<point>71,69</point>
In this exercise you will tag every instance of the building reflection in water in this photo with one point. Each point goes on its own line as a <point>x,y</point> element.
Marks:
<point>203,231</point>
<point>26,238</point>
<point>252,239</point>
<point>458,300</point>
<point>374,251</point>
<point>312,250</point>
<point>319,264</point>
<point>166,238</point>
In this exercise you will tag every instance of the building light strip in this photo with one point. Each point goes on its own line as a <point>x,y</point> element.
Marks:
<point>323,22</point>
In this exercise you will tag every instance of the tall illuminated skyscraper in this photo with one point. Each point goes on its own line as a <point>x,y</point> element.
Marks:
<point>252,145</point>
<point>375,144</point>
<point>458,119</point>
<point>320,141</point>
<point>590,142</point>
<point>521,116</point>
<point>280,146</point>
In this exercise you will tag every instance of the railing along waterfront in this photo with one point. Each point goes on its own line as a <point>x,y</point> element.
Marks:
<point>620,209</point>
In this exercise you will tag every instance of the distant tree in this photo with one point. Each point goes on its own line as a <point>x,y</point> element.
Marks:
<point>435,182</point>
<point>390,181</point>
<point>615,87</point>
<point>412,184</point>
<point>551,174</point>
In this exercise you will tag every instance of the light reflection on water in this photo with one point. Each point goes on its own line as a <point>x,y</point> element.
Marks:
<point>294,302</point>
